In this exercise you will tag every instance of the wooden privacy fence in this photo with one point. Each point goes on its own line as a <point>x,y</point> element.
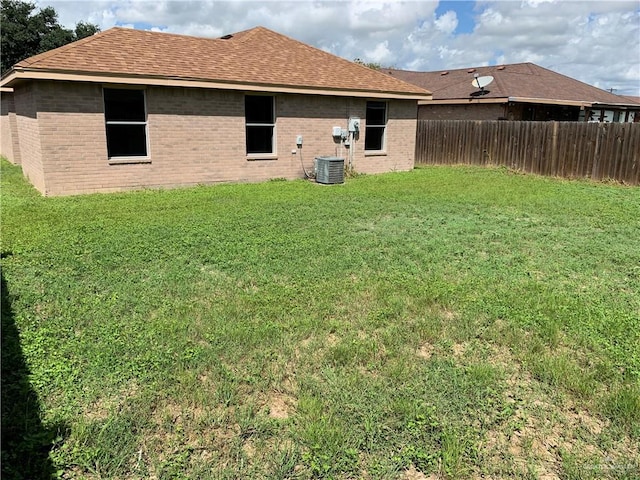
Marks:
<point>567,149</point>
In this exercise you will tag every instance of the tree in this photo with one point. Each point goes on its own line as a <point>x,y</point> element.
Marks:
<point>371,65</point>
<point>25,34</point>
<point>84,29</point>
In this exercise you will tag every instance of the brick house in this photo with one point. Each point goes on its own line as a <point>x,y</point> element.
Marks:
<point>520,91</point>
<point>128,109</point>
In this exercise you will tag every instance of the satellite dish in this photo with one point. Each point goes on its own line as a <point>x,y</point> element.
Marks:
<point>481,82</point>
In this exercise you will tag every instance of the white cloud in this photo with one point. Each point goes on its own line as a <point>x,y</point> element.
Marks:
<point>447,23</point>
<point>535,3</point>
<point>380,54</point>
<point>594,41</point>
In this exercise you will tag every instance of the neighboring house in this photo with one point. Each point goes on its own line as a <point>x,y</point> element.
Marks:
<point>631,99</point>
<point>130,109</point>
<point>520,91</point>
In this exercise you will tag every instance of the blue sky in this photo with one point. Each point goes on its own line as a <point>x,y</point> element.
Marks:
<point>597,42</point>
<point>464,11</point>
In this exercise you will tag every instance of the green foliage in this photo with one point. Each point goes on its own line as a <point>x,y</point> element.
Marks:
<point>371,65</point>
<point>401,321</point>
<point>25,33</point>
<point>85,29</point>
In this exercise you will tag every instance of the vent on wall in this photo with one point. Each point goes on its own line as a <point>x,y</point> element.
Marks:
<point>329,170</point>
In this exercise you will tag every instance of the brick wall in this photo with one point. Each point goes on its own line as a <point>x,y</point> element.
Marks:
<point>28,135</point>
<point>7,109</point>
<point>400,141</point>
<point>197,136</point>
<point>476,111</point>
<point>72,129</point>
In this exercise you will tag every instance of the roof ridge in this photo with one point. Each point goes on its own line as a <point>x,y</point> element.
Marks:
<point>450,70</point>
<point>173,34</point>
<point>344,60</point>
<point>250,32</point>
<point>257,56</point>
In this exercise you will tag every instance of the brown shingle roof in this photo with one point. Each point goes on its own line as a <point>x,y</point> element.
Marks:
<point>522,80</point>
<point>631,98</point>
<point>258,57</point>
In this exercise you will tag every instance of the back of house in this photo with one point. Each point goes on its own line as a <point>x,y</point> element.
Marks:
<point>128,109</point>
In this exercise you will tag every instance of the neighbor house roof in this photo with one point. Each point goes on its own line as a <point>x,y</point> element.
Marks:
<point>256,59</point>
<point>524,82</point>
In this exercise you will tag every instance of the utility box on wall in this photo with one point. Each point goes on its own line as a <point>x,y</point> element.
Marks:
<point>329,170</point>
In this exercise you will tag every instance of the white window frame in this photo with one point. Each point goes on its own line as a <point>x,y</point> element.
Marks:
<point>383,126</point>
<point>129,158</point>
<point>263,155</point>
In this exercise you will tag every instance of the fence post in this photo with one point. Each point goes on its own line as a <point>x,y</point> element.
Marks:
<point>552,169</point>
<point>595,169</point>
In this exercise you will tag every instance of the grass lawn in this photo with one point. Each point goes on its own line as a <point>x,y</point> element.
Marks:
<point>440,323</point>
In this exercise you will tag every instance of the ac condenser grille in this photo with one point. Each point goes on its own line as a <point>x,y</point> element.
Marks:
<point>329,170</point>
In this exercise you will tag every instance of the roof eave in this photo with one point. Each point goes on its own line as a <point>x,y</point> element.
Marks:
<point>7,77</point>
<point>463,101</point>
<point>573,103</point>
<point>616,105</point>
<point>551,101</point>
<point>545,101</point>
<point>20,74</point>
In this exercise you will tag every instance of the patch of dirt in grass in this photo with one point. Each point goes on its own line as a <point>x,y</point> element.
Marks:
<point>581,418</point>
<point>425,351</point>
<point>305,342</point>
<point>177,427</point>
<point>249,448</point>
<point>413,474</point>
<point>540,426</point>
<point>458,349</point>
<point>281,406</point>
<point>331,340</point>
<point>448,314</point>
<point>101,408</point>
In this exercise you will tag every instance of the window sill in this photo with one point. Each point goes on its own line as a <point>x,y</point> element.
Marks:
<point>261,156</point>
<point>128,160</point>
<point>375,153</point>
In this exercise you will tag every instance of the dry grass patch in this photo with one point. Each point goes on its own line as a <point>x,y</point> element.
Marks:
<point>425,351</point>
<point>544,427</point>
<point>281,406</point>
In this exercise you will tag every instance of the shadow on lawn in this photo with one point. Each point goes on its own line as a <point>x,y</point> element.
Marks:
<point>25,441</point>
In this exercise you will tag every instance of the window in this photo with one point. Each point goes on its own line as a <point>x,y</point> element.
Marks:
<point>260,122</point>
<point>126,122</point>
<point>376,125</point>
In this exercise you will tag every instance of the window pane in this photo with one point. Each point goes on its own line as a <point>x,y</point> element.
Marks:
<point>373,138</point>
<point>126,141</point>
<point>259,139</point>
<point>376,113</point>
<point>124,105</point>
<point>258,109</point>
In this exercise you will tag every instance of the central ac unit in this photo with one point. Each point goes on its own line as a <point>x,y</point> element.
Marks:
<point>329,170</point>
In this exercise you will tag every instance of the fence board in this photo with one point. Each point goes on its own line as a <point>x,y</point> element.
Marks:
<point>599,151</point>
